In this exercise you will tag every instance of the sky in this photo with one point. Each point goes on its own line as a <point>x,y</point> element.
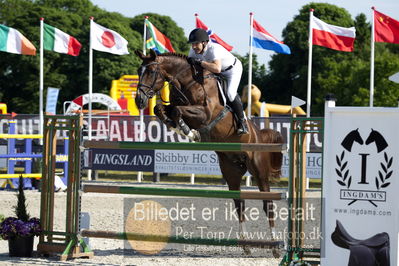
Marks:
<point>230,18</point>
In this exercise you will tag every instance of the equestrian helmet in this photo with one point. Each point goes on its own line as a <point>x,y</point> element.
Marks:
<point>198,35</point>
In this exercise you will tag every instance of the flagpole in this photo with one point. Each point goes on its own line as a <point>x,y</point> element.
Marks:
<point>89,126</point>
<point>145,36</point>
<point>310,43</point>
<point>90,80</point>
<point>372,61</point>
<point>41,83</point>
<point>141,133</point>
<point>249,100</point>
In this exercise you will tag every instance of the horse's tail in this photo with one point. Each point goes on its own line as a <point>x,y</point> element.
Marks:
<point>276,158</point>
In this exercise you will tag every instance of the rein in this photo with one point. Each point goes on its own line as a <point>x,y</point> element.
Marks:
<point>155,74</point>
<point>150,93</point>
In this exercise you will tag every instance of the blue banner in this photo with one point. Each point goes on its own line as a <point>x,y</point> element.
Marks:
<point>51,101</point>
<point>119,160</point>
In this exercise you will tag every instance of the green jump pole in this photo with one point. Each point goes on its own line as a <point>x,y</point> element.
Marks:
<point>204,146</point>
<point>181,192</point>
<point>181,240</point>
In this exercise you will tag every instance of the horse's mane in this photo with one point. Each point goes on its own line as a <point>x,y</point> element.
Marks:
<point>174,54</point>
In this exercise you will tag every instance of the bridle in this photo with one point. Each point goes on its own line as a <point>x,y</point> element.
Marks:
<point>155,75</point>
<point>149,93</point>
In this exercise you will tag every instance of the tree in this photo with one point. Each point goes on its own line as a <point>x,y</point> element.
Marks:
<point>19,82</point>
<point>258,72</point>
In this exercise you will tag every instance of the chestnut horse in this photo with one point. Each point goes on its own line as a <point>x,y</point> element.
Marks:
<point>197,110</point>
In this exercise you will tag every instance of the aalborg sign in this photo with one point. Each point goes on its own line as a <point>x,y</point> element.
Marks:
<point>360,181</point>
<point>375,184</point>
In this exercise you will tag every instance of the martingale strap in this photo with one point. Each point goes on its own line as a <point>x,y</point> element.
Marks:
<point>204,131</point>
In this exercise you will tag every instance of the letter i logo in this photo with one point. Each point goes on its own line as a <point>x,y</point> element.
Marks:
<point>352,143</point>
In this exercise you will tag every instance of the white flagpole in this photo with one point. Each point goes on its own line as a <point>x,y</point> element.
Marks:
<point>89,127</point>
<point>41,83</point>
<point>90,81</point>
<point>145,36</point>
<point>372,61</point>
<point>249,100</point>
<point>144,52</point>
<point>310,43</point>
<point>141,136</point>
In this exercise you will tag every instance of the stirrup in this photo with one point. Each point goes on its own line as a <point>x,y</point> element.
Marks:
<point>242,128</point>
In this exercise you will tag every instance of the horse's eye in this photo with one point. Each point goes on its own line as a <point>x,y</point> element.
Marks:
<point>151,71</point>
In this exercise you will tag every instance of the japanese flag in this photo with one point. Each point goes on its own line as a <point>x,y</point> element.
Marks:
<point>106,40</point>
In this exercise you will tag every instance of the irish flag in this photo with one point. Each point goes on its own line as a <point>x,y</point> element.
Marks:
<point>60,42</point>
<point>12,41</point>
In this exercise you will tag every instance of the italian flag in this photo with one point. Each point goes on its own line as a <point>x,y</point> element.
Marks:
<point>60,42</point>
<point>12,41</point>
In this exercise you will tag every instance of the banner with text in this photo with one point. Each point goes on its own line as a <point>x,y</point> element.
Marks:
<point>361,178</point>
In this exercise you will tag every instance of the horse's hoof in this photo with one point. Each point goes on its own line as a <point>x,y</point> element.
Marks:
<point>197,135</point>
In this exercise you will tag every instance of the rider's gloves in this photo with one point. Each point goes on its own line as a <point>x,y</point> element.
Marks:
<point>194,61</point>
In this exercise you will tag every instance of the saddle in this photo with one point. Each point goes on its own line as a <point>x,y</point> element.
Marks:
<point>373,251</point>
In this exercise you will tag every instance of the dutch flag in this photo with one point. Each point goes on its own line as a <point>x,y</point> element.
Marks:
<point>264,40</point>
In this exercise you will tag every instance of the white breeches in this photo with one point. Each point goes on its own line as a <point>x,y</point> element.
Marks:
<point>233,77</point>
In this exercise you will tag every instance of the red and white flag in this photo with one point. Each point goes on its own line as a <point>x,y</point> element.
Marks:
<point>334,37</point>
<point>106,40</point>
<point>212,35</point>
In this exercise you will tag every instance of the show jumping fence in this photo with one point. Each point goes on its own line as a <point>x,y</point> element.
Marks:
<point>27,157</point>
<point>69,242</point>
<point>301,128</point>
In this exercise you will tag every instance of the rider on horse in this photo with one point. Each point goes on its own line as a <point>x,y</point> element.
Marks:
<point>216,59</point>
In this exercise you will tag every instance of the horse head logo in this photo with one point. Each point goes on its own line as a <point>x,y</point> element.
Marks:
<point>379,140</point>
<point>353,136</point>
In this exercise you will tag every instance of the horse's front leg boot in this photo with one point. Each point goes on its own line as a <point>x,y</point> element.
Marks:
<point>184,127</point>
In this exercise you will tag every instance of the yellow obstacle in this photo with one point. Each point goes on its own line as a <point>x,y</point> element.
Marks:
<point>3,108</point>
<point>39,175</point>
<point>269,108</point>
<point>21,136</point>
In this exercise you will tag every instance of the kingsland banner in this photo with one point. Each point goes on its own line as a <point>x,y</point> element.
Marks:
<point>360,186</point>
<point>119,160</point>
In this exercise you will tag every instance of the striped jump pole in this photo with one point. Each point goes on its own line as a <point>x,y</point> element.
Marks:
<point>21,136</point>
<point>199,146</point>
<point>202,193</point>
<point>181,240</point>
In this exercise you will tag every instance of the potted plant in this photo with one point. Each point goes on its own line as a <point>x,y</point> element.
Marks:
<point>1,220</point>
<point>20,230</point>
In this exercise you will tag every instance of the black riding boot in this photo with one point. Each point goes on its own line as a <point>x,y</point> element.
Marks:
<point>236,105</point>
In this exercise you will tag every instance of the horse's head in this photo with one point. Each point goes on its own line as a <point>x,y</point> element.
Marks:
<point>379,140</point>
<point>352,137</point>
<point>150,78</point>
